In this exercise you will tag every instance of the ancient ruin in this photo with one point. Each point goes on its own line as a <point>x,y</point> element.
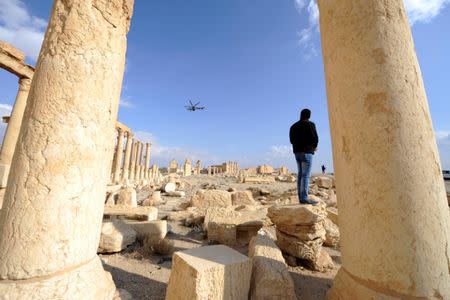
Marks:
<point>87,214</point>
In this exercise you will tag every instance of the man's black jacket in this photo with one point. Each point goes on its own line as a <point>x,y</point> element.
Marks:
<point>303,136</point>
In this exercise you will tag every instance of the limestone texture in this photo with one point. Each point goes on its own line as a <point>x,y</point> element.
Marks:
<point>270,275</point>
<point>127,197</point>
<point>242,198</point>
<point>153,230</point>
<point>115,236</point>
<point>394,218</point>
<point>332,235</point>
<point>296,214</point>
<point>211,198</point>
<point>141,213</point>
<point>211,272</point>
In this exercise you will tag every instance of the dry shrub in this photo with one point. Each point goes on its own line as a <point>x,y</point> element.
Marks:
<point>163,247</point>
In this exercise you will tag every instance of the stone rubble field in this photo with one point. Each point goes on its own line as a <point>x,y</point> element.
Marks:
<point>253,238</point>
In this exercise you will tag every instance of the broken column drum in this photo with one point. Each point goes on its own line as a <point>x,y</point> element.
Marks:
<point>385,156</point>
<point>52,214</point>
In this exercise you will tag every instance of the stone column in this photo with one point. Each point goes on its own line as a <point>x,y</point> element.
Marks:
<point>137,175</point>
<point>128,150</point>
<point>209,170</point>
<point>12,131</point>
<point>51,219</point>
<point>147,160</point>
<point>133,160</point>
<point>119,156</point>
<point>393,215</point>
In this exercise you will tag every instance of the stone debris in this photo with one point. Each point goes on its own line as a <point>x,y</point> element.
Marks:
<point>141,213</point>
<point>211,198</point>
<point>211,272</point>
<point>332,214</point>
<point>259,179</point>
<point>127,197</point>
<point>153,230</point>
<point>115,236</point>
<point>270,275</point>
<point>243,198</point>
<point>179,194</point>
<point>230,227</point>
<point>324,182</point>
<point>300,231</point>
<point>332,235</point>
<point>170,187</point>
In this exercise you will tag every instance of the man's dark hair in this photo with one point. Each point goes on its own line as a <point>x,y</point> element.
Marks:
<point>305,114</point>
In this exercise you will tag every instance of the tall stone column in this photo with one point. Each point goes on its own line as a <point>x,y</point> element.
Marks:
<point>137,175</point>
<point>133,160</point>
<point>119,156</point>
<point>147,160</point>
<point>51,218</point>
<point>12,131</point>
<point>393,215</point>
<point>128,150</point>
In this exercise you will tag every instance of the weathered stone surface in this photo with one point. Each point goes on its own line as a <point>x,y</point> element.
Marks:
<point>296,214</point>
<point>270,275</point>
<point>322,263</point>
<point>153,230</point>
<point>305,232</point>
<point>259,179</point>
<point>211,198</point>
<point>212,272</point>
<point>127,197</point>
<point>308,250</point>
<point>88,281</point>
<point>179,194</point>
<point>324,182</point>
<point>332,214</point>
<point>170,187</point>
<point>332,235</point>
<point>115,236</point>
<point>141,213</point>
<point>230,227</point>
<point>243,198</point>
<point>191,217</point>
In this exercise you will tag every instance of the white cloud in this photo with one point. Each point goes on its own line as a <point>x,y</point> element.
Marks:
<point>21,29</point>
<point>126,102</point>
<point>419,11</point>
<point>5,110</point>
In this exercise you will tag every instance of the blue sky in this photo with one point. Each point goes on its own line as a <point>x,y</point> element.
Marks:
<point>254,63</point>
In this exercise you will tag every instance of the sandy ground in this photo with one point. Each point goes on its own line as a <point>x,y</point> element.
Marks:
<point>146,277</point>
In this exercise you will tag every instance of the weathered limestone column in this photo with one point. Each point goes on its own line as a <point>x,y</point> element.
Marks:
<point>134,150</point>
<point>147,160</point>
<point>128,150</point>
<point>393,215</point>
<point>119,156</point>
<point>51,218</point>
<point>137,175</point>
<point>12,131</point>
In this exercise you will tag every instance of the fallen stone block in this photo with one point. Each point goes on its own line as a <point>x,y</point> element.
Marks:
<point>212,272</point>
<point>259,180</point>
<point>127,197</point>
<point>211,198</point>
<point>170,187</point>
<point>115,236</point>
<point>179,194</point>
<point>305,232</point>
<point>297,214</point>
<point>141,213</point>
<point>324,182</point>
<point>322,263</point>
<point>153,230</point>
<point>333,214</point>
<point>307,250</point>
<point>243,198</point>
<point>332,235</point>
<point>270,275</point>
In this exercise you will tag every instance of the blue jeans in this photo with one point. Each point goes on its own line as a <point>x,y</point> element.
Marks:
<point>304,164</point>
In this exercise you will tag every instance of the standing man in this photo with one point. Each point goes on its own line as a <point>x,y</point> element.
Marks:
<point>304,140</point>
<point>323,169</point>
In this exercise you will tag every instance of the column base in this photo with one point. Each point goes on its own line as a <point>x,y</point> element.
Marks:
<point>4,173</point>
<point>89,281</point>
<point>345,287</point>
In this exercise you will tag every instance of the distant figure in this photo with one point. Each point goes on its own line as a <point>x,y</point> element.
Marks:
<point>323,169</point>
<point>304,140</point>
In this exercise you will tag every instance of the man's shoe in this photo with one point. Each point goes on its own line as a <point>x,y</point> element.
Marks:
<point>308,201</point>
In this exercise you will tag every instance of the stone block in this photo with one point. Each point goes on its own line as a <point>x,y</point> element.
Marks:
<point>242,198</point>
<point>259,180</point>
<point>211,198</point>
<point>141,213</point>
<point>333,214</point>
<point>153,230</point>
<point>127,197</point>
<point>212,272</point>
<point>270,275</point>
<point>307,250</point>
<point>324,182</point>
<point>296,214</point>
<point>332,235</point>
<point>305,232</point>
<point>115,236</point>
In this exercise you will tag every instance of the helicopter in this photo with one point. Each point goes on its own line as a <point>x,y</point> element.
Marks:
<point>194,107</point>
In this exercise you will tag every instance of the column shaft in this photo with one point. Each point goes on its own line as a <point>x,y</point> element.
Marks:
<point>13,129</point>
<point>147,160</point>
<point>133,160</point>
<point>119,157</point>
<point>388,174</point>
<point>51,219</point>
<point>128,150</point>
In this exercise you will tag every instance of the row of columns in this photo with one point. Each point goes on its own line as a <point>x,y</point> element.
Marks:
<point>131,161</point>
<point>386,160</point>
